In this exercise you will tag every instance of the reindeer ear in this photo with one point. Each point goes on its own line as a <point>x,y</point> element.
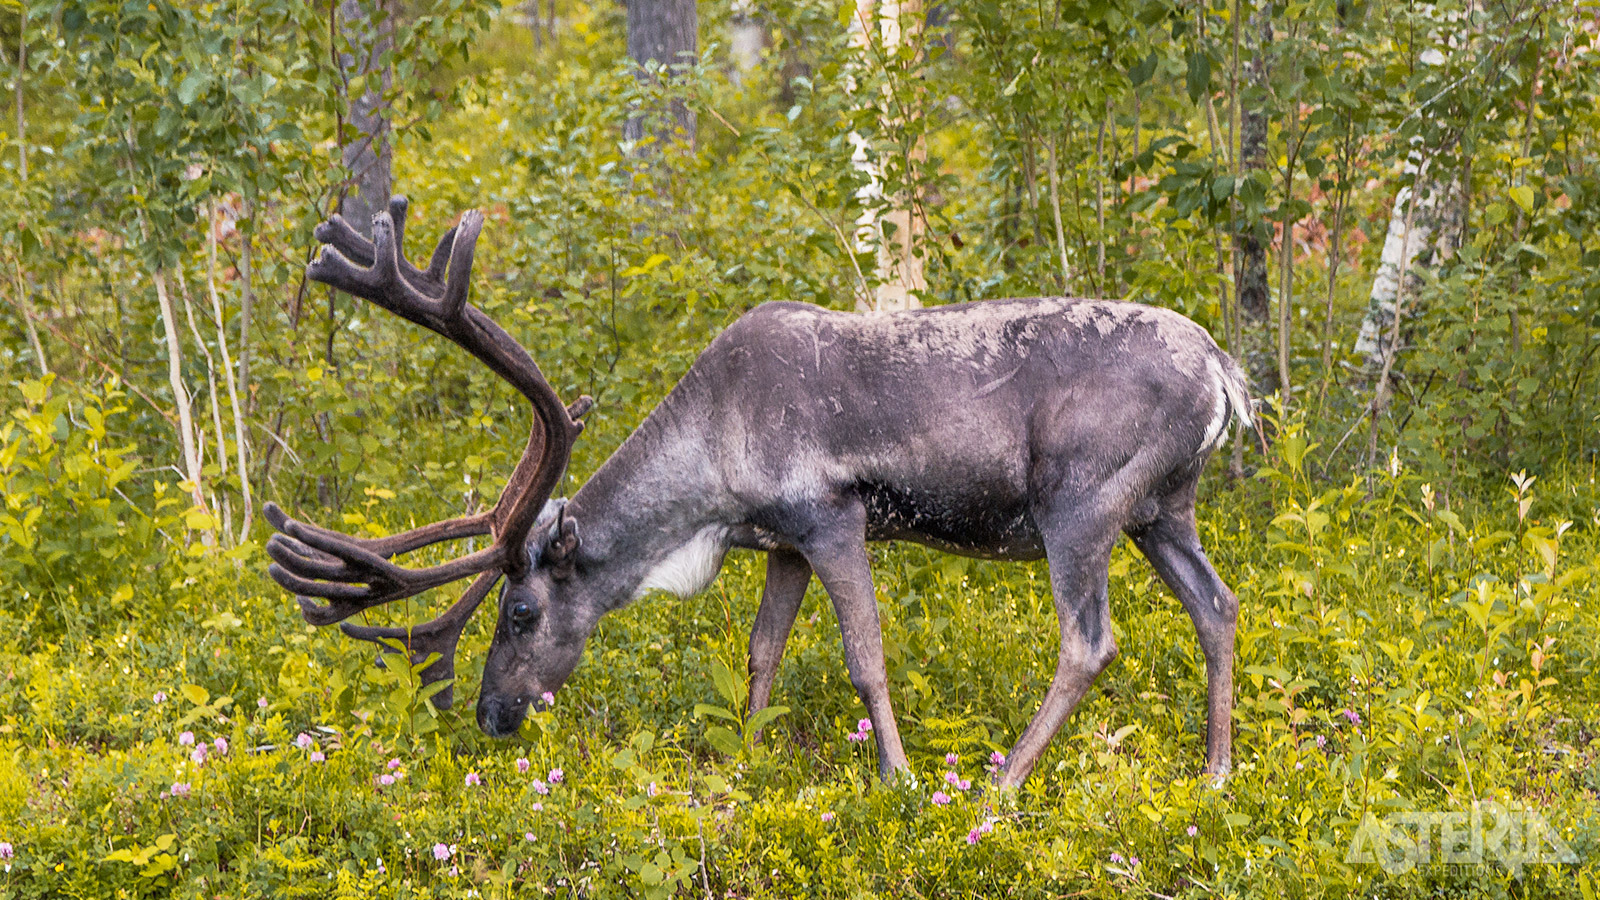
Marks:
<point>563,550</point>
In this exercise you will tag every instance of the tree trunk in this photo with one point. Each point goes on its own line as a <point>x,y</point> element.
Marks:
<point>747,38</point>
<point>234,403</point>
<point>666,33</point>
<point>1250,252</point>
<point>369,30</point>
<point>887,226</point>
<point>1426,227</point>
<point>180,399</point>
<point>1433,237</point>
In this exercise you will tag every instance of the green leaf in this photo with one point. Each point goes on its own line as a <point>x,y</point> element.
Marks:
<point>193,85</point>
<point>1522,196</point>
<point>1198,78</point>
<point>706,709</point>
<point>1142,70</point>
<point>727,685</point>
<point>724,741</point>
<point>761,718</point>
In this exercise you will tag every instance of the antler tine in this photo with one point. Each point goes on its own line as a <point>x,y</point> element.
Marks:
<point>342,236</point>
<point>395,544</point>
<point>460,271</point>
<point>438,636</point>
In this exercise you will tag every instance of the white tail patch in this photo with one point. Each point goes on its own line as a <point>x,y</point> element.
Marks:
<point>691,568</point>
<point>1217,429</point>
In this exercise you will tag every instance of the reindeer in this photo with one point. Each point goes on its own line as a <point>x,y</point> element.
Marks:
<point>1005,429</point>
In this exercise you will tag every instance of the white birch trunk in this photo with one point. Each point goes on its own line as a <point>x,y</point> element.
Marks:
<point>746,39</point>
<point>180,398</point>
<point>240,446</point>
<point>886,228</point>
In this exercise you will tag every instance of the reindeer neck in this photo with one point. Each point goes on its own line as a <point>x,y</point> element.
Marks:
<point>647,517</point>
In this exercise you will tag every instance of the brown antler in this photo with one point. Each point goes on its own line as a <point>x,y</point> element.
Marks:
<point>355,574</point>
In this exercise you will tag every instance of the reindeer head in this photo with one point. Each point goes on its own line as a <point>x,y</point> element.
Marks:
<point>540,633</point>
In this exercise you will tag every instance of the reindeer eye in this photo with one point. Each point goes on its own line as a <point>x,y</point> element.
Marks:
<point>523,615</point>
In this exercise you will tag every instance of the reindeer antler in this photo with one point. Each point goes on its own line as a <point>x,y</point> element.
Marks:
<point>355,574</point>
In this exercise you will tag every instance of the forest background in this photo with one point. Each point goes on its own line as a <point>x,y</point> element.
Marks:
<point>1387,211</point>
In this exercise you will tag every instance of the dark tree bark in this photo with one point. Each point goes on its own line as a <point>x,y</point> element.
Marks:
<point>368,26</point>
<point>1250,260</point>
<point>664,32</point>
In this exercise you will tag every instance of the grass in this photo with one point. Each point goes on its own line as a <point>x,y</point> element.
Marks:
<point>1390,658</point>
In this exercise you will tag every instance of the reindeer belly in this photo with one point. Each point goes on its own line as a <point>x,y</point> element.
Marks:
<point>985,521</point>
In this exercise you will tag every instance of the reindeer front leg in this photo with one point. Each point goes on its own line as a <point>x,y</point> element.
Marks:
<point>837,551</point>
<point>788,574</point>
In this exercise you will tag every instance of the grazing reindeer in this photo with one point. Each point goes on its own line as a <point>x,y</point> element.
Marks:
<point>1008,429</point>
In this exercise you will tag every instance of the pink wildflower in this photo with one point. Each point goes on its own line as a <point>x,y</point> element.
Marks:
<point>950,759</point>
<point>651,791</point>
<point>180,789</point>
<point>536,807</point>
<point>441,852</point>
<point>386,779</point>
<point>997,758</point>
<point>316,756</point>
<point>473,780</point>
<point>556,776</point>
<point>1353,716</point>
<point>1192,831</point>
<point>199,755</point>
<point>952,778</point>
<point>303,741</point>
<point>855,736</point>
<point>864,726</point>
<point>986,827</point>
<point>826,817</point>
<point>528,836</point>
<point>1117,858</point>
<point>221,745</point>
<point>965,784</point>
<point>392,764</point>
<point>381,869</point>
<point>940,798</point>
<point>6,850</point>
<point>972,836</point>
<point>1321,742</point>
<point>548,698</point>
<point>540,787</point>
<point>159,697</point>
<point>523,765</point>
<point>262,703</point>
<point>185,739</point>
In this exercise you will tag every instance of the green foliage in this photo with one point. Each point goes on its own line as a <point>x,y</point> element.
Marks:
<point>74,544</point>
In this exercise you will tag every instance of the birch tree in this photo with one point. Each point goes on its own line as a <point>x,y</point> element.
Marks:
<point>888,226</point>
